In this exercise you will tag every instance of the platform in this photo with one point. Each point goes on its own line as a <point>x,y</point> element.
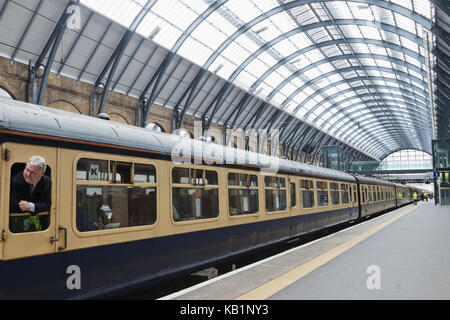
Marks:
<point>402,254</point>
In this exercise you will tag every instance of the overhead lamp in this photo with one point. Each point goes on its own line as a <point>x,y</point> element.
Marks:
<point>99,88</point>
<point>154,33</point>
<point>258,31</point>
<point>40,71</point>
<point>217,69</point>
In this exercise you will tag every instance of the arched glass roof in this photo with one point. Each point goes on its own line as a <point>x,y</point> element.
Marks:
<point>368,75</point>
<point>355,69</point>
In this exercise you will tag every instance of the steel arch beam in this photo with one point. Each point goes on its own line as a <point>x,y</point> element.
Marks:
<point>408,103</point>
<point>377,86</point>
<point>382,123</point>
<point>352,139</point>
<point>422,105</point>
<point>328,74</point>
<point>115,58</point>
<point>358,78</point>
<point>51,46</point>
<point>327,60</point>
<point>156,79</point>
<point>368,108</point>
<point>377,129</point>
<point>379,43</point>
<point>386,27</point>
<point>411,107</point>
<point>369,125</point>
<point>378,150</point>
<point>384,4</point>
<point>387,134</point>
<point>266,15</point>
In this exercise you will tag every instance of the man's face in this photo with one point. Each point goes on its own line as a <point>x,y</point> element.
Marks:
<point>32,174</point>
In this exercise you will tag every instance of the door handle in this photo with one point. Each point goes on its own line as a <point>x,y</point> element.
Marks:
<point>53,239</point>
<point>65,238</point>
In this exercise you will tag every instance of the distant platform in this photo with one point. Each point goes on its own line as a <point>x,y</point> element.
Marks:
<point>402,254</point>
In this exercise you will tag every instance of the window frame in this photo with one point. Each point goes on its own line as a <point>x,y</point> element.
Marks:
<point>110,183</point>
<point>338,190</point>
<point>247,187</point>
<point>346,189</point>
<point>194,185</point>
<point>322,190</point>
<point>278,188</point>
<point>311,189</point>
<point>27,214</point>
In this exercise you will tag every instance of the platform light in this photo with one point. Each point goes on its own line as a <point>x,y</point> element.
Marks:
<point>154,32</point>
<point>217,69</point>
<point>40,71</point>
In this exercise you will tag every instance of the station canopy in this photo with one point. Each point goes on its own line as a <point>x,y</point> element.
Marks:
<point>370,74</point>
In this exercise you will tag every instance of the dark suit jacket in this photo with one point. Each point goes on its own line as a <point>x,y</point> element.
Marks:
<point>20,190</point>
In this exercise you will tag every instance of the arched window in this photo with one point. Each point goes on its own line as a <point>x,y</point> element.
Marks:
<point>118,118</point>
<point>64,105</point>
<point>5,94</point>
<point>155,127</point>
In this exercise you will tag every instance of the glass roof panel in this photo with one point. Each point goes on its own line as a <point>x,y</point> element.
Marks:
<point>210,35</point>
<point>176,12</point>
<point>195,51</point>
<point>244,10</point>
<point>121,11</point>
<point>168,20</point>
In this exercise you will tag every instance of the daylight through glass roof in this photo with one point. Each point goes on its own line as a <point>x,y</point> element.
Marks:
<point>354,69</point>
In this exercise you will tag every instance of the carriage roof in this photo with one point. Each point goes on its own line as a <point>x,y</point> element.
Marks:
<point>29,118</point>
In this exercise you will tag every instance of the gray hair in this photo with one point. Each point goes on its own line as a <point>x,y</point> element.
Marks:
<point>39,162</point>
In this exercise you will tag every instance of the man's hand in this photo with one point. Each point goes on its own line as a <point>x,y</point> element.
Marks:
<point>24,205</point>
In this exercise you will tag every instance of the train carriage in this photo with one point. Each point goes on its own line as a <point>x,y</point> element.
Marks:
<point>161,204</point>
<point>375,195</point>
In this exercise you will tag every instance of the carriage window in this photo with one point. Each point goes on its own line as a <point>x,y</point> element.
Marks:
<point>307,187</point>
<point>334,191</point>
<point>195,194</point>
<point>211,178</point>
<point>322,193</point>
<point>180,175</point>
<point>21,220</point>
<point>92,169</point>
<point>275,189</point>
<point>104,206</point>
<point>345,193</point>
<point>242,194</point>
<point>144,173</point>
<point>120,172</point>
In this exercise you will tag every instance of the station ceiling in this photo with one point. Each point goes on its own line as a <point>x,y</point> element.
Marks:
<point>370,75</point>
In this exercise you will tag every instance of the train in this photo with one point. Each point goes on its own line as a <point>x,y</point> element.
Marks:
<point>131,207</point>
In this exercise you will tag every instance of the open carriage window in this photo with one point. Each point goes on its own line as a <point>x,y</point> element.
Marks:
<point>30,196</point>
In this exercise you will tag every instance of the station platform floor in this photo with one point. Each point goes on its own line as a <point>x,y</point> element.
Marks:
<point>403,254</point>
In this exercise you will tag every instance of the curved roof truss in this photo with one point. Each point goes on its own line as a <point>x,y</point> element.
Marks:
<point>290,65</point>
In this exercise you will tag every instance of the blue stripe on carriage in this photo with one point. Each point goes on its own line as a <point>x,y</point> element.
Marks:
<point>109,268</point>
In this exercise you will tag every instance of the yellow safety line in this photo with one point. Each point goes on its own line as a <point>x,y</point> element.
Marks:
<point>273,286</point>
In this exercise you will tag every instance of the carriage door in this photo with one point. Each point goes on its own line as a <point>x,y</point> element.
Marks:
<point>25,235</point>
